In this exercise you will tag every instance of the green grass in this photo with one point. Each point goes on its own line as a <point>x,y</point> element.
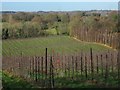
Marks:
<point>9,82</point>
<point>36,46</point>
<point>81,81</point>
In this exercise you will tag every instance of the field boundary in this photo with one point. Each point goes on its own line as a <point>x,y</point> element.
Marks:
<point>95,43</point>
<point>51,70</point>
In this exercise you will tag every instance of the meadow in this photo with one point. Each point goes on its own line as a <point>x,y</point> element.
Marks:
<point>58,44</point>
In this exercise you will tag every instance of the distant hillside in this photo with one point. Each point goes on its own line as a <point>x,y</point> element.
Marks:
<point>5,12</point>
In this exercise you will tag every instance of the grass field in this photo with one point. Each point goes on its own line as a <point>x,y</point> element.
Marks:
<point>9,82</point>
<point>36,46</point>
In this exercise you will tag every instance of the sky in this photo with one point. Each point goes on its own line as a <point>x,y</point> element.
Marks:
<point>60,0</point>
<point>58,6</point>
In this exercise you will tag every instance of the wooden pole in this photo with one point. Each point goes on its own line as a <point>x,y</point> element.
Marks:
<point>46,66</point>
<point>76,66</point>
<point>81,63</point>
<point>39,68</point>
<point>92,68</point>
<point>51,73</point>
<point>42,71</point>
<point>118,57</point>
<point>106,69</point>
<point>102,64</point>
<point>33,68</point>
<point>85,66</point>
<point>36,69</point>
<point>112,63</point>
<point>97,64</point>
<point>118,49</point>
<point>72,67</point>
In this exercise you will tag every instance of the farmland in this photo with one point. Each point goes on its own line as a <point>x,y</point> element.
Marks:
<point>65,45</point>
<point>60,49</point>
<point>58,44</point>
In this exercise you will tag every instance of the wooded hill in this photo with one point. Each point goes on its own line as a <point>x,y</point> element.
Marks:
<point>36,24</point>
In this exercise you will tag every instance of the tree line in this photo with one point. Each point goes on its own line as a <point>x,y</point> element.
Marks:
<point>33,24</point>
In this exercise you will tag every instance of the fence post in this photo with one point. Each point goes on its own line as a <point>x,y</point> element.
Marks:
<point>76,66</point>
<point>50,78</point>
<point>30,67</point>
<point>118,65</point>
<point>81,64</point>
<point>102,64</point>
<point>36,69</point>
<point>65,67</point>
<point>46,67</point>
<point>62,64</point>
<point>85,66</point>
<point>92,68</point>
<point>72,67</point>
<point>43,82</point>
<point>112,62</point>
<point>97,64</point>
<point>51,73</point>
<point>106,68</point>
<point>33,68</point>
<point>118,48</point>
<point>21,65</point>
<point>68,67</point>
<point>39,68</point>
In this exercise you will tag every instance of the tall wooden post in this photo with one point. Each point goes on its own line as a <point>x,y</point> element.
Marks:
<point>51,74</point>
<point>46,66</point>
<point>118,60</point>
<point>42,72</point>
<point>81,63</point>
<point>118,49</point>
<point>97,64</point>
<point>86,67</point>
<point>92,68</point>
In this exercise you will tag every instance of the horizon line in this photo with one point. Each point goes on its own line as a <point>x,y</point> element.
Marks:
<point>58,10</point>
